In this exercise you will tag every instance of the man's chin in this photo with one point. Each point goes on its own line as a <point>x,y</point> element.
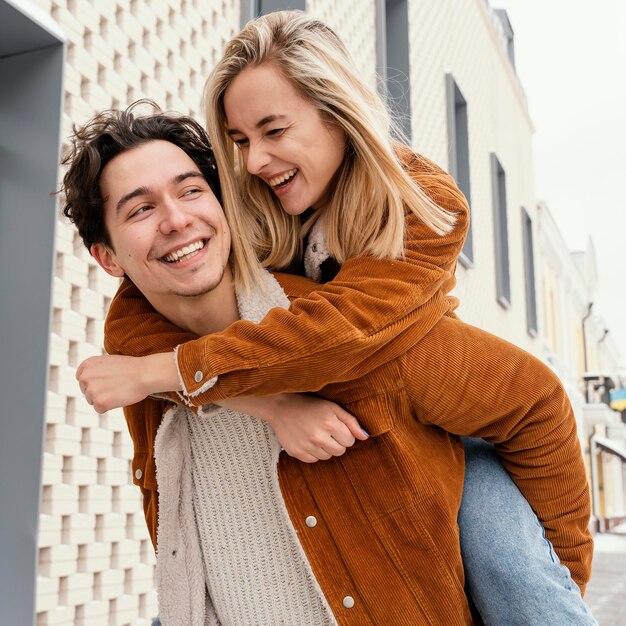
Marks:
<point>197,291</point>
<point>192,293</point>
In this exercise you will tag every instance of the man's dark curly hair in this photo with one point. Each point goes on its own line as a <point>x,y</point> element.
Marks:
<point>111,133</point>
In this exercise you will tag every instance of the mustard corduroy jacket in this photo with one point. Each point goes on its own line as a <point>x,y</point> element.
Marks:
<point>386,511</point>
<point>385,531</point>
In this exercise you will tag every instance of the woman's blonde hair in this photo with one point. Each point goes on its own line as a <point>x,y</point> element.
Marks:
<point>366,210</point>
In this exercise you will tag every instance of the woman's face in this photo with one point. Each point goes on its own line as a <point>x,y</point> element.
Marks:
<point>283,138</point>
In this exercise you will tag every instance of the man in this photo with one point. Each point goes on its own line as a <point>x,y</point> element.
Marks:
<point>233,545</point>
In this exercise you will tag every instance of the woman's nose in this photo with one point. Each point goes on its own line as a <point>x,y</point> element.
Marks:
<point>256,158</point>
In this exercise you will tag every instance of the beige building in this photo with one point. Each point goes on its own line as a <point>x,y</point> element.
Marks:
<point>456,94</point>
<point>470,116</point>
<point>579,347</point>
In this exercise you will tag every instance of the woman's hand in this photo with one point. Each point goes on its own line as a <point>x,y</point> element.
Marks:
<point>308,428</point>
<point>111,381</point>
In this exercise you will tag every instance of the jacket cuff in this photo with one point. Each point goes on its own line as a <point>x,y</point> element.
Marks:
<point>192,383</point>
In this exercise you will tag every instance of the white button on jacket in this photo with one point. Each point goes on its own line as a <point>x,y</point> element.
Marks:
<point>348,602</point>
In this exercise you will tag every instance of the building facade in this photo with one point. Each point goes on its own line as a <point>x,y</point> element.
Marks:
<point>578,346</point>
<point>448,69</point>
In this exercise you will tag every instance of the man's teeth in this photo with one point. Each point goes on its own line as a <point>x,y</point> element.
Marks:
<point>283,177</point>
<point>174,257</point>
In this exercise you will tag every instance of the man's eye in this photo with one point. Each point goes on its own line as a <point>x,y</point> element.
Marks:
<point>193,191</point>
<point>140,211</point>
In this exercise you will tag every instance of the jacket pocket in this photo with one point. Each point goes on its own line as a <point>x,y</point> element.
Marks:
<point>378,480</point>
<point>373,413</point>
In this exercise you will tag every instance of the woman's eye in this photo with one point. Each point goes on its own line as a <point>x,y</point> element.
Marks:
<point>275,132</point>
<point>191,192</point>
<point>241,143</point>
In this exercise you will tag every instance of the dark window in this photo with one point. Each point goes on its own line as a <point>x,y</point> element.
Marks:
<point>249,9</point>
<point>393,61</point>
<point>500,233</point>
<point>458,140</point>
<point>529,271</point>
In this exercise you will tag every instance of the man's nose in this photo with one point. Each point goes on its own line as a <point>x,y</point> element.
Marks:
<point>174,217</point>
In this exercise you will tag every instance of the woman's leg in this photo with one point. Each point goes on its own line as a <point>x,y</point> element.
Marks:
<point>513,573</point>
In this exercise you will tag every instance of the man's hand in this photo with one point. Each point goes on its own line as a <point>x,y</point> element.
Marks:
<point>308,428</point>
<point>112,381</point>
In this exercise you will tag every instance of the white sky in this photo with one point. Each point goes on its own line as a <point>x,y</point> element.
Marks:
<point>571,58</point>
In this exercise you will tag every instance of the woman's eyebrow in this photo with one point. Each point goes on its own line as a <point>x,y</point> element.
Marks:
<point>262,122</point>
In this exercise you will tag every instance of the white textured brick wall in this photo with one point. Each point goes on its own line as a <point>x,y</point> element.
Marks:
<point>95,558</point>
<point>459,37</point>
<point>355,22</point>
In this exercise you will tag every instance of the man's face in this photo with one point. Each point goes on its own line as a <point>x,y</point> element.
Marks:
<point>167,229</point>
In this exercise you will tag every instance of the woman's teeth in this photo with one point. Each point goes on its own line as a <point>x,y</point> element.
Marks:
<point>283,178</point>
<point>183,253</point>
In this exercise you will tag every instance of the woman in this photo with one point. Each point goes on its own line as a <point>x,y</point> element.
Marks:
<point>319,139</point>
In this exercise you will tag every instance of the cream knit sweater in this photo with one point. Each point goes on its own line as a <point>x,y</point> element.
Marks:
<point>227,552</point>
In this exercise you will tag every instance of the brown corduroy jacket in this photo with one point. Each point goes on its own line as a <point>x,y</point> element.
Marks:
<point>386,511</point>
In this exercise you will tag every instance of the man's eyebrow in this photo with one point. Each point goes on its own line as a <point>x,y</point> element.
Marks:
<point>145,191</point>
<point>140,191</point>
<point>262,122</point>
<point>179,178</point>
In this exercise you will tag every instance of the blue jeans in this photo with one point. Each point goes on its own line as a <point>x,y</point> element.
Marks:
<point>512,571</point>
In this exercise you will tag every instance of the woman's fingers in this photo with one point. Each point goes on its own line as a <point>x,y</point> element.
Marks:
<point>351,423</point>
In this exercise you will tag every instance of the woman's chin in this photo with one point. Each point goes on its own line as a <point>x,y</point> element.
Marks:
<point>293,209</point>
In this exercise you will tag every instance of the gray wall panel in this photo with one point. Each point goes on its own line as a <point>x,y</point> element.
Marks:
<point>30,114</point>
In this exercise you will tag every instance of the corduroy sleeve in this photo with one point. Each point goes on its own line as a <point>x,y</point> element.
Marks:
<point>328,333</point>
<point>482,386</point>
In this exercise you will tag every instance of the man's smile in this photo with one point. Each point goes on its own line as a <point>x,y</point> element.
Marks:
<point>184,253</point>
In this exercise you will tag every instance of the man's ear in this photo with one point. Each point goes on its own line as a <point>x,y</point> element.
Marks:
<point>106,259</point>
